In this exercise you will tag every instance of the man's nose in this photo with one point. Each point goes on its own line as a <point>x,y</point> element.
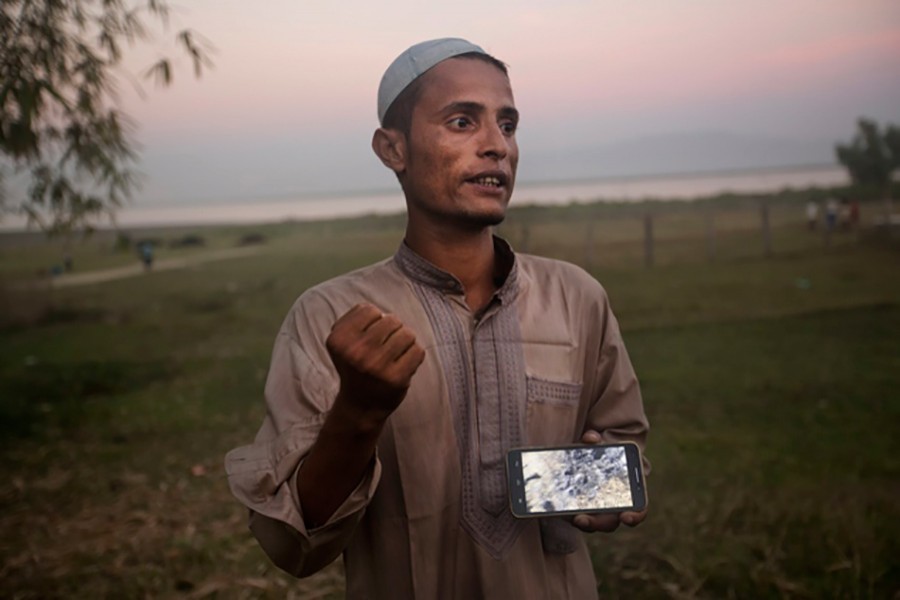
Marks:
<point>493,142</point>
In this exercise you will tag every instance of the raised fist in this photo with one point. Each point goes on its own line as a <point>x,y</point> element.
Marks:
<point>376,356</point>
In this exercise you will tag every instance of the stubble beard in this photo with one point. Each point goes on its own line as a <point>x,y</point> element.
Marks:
<point>479,220</point>
<point>458,215</point>
<point>467,220</point>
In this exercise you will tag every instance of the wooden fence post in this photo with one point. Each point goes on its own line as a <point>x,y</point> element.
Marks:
<point>526,234</point>
<point>710,235</point>
<point>589,246</point>
<point>766,229</point>
<point>648,239</point>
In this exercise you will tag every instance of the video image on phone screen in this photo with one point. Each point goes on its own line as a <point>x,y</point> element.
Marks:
<point>576,479</point>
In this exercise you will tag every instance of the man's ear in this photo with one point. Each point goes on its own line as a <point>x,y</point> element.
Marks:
<point>390,146</point>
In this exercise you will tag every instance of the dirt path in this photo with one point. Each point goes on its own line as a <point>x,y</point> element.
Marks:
<point>136,269</point>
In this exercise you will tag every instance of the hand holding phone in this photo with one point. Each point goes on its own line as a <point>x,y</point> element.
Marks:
<point>573,480</point>
<point>609,522</point>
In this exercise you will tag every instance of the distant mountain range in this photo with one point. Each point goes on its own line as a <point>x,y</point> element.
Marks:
<point>674,153</point>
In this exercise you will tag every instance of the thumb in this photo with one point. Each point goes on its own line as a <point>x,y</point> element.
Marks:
<point>591,437</point>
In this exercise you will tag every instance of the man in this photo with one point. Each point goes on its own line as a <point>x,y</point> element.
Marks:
<point>812,214</point>
<point>395,391</point>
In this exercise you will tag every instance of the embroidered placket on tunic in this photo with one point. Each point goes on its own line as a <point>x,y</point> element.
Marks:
<point>484,367</point>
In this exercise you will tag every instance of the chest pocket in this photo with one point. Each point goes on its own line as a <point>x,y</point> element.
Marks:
<point>552,411</point>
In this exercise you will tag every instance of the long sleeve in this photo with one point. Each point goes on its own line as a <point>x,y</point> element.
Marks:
<point>299,392</point>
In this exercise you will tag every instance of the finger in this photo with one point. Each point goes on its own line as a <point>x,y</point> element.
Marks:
<point>385,342</point>
<point>632,518</point>
<point>406,365</point>
<point>378,322</point>
<point>374,318</point>
<point>591,437</point>
<point>414,357</point>
<point>582,522</point>
<point>358,318</point>
<point>399,342</point>
<point>382,328</point>
<point>591,523</point>
<point>349,339</point>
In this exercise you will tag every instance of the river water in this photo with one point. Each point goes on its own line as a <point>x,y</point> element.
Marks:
<point>669,187</point>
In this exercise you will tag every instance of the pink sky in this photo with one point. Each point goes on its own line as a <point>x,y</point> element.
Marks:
<point>583,72</point>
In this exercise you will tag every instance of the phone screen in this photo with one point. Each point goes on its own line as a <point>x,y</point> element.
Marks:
<point>575,479</point>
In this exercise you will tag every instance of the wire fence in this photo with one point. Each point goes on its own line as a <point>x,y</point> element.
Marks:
<point>663,233</point>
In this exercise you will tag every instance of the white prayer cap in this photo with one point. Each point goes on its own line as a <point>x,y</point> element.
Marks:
<point>414,61</point>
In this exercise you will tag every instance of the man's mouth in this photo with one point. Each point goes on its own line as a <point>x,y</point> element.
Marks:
<point>497,181</point>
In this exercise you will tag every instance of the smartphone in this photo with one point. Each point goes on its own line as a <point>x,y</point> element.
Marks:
<point>569,480</point>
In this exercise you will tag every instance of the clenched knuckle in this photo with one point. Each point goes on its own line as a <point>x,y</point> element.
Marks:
<point>419,354</point>
<point>334,343</point>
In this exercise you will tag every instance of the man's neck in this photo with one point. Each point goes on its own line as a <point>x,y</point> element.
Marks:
<point>468,256</point>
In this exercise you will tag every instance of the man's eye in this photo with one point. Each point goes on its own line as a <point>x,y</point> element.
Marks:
<point>460,122</point>
<point>508,127</point>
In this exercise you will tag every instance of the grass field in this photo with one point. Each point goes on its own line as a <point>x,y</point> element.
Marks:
<point>771,385</point>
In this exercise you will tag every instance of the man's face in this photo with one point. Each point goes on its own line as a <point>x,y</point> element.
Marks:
<point>461,157</point>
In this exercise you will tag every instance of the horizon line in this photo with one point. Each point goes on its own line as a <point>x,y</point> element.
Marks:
<point>355,193</point>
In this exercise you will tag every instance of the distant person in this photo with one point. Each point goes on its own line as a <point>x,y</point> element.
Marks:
<point>68,263</point>
<point>831,213</point>
<point>395,391</point>
<point>812,214</point>
<point>854,213</point>
<point>147,255</point>
<point>844,214</point>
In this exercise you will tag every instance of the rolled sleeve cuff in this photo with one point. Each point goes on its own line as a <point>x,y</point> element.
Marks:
<point>263,477</point>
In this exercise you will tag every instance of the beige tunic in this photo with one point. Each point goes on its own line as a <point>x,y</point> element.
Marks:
<point>544,362</point>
